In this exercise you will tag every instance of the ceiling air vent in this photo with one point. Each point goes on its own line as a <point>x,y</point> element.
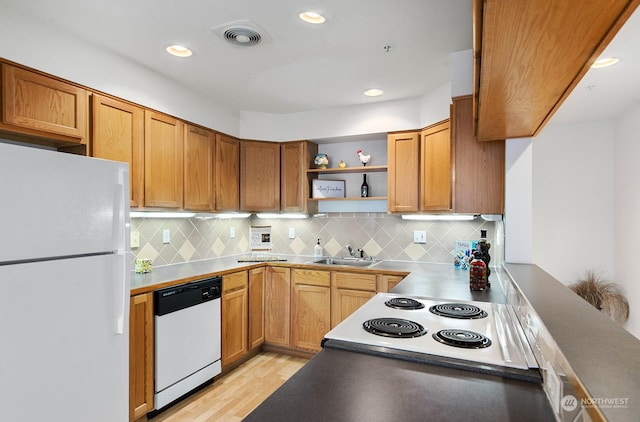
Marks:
<point>244,33</point>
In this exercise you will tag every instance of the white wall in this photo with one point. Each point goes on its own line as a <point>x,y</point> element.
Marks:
<point>518,195</point>
<point>68,57</point>
<point>573,199</point>
<point>627,211</point>
<point>335,122</point>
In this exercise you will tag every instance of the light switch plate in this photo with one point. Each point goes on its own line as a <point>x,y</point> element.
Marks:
<point>135,239</point>
<point>232,232</point>
<point>166,236</point>
<point>420,236</point>
<point>292,233</point>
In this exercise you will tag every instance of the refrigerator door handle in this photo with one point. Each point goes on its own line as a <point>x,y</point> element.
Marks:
<point>122,225</point>
<point>121,293</point>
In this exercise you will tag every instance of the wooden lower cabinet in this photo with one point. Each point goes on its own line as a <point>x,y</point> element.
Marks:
<point>256,307</point>
<point>141,354</point>
<point>310,308</point>
<point>235,316</point>
<point>349,291</point>
<point>277,312</point>
<point>387,282</point>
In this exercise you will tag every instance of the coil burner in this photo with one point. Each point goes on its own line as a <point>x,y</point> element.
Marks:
<point>404,303</point>
<point>462,338</point>
<point>458,310</point>
<point>394,327</point>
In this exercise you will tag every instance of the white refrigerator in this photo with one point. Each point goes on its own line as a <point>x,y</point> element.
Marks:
<point>64,287</point>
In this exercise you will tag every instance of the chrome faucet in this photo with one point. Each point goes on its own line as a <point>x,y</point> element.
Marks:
<point>350,249</point>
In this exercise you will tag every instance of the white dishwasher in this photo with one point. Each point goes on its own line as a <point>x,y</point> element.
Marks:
<point>187,338</point>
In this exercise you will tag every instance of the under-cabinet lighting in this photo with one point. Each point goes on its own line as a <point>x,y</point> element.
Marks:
<point>284,216</point>
<point>160,214</point>
<point>438,217</point>
<point>227,215</point>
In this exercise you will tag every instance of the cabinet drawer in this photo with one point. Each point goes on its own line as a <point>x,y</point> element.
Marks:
<point>235,281</point>
<point>312,277</point>
<point>355,281</point>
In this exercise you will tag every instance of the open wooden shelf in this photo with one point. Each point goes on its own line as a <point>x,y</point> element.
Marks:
<point>364,169</point>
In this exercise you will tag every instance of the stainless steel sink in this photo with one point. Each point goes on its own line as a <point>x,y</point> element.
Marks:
<point>351,262</point>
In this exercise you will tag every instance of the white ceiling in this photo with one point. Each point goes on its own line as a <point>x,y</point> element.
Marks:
<point>301,67</point>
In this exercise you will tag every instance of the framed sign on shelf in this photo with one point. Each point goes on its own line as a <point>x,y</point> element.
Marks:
<point>323,188</point>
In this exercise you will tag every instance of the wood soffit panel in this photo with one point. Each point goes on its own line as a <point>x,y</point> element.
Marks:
<point>530,54</point>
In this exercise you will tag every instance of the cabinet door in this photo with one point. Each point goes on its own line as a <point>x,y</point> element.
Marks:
<point>403,171</point>
<point>311,315</point>
<point>234,325</point>
<point>387,282</point>
<point>479,166</point>
<point>259,176</point>
<point>235,316</point>
<point>349,291</point>
<point>296,158</point>
<point>435,168</point>
<point>199,146</point>
<point>344,302</point>
<point>277,311</point>
<point>118,135</point>
<point>163,143</point>
<point>256,307</point>
<point>39,105</point>
<point>227,173</point>
<point>141,356</point>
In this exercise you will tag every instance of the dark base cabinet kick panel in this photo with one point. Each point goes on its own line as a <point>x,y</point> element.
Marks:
<point>344,386</point>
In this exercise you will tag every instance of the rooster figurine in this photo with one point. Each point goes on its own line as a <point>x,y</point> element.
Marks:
<point>363,158</point>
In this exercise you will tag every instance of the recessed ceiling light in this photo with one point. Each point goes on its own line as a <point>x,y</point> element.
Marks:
<point>373,92</point>
<point>312,17</point>
<point>179,51</point>
<point>604,62</point>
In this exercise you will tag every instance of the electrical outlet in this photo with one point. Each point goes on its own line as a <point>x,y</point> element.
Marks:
<point>292,233</point>
<point>166,236</point>
<point>135,239</point>
<point>232,232</point>
<point>419,236</point>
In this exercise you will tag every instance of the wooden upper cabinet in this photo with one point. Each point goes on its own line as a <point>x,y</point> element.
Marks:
<point>227,173</point>
<point>403,171</point>
<point>44,107</point>
<point>296,158</point>
<point>259,176</point>
<point>435,167</point>
<point>118,134</point>
<point>199,148</point>
<point>479,166</point>
<point>163,145</point>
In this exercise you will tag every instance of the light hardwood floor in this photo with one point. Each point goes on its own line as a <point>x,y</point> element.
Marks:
<point>234,395</point>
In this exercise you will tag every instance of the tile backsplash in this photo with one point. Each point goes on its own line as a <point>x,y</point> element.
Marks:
<point>382,235</point>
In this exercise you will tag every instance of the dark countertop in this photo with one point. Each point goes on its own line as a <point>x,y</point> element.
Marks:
<point>603,355</point>
<point>343,386</point>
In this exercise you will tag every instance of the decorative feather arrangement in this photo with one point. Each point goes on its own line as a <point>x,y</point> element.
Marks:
<point>605,296</point>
